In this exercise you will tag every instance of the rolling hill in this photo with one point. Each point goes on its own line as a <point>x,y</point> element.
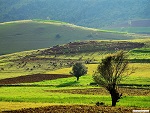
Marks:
<point>35,34</point>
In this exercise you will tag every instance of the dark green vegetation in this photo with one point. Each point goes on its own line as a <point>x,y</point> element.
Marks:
<point>89,13</point>
<point>29,35</point>
<point>79,70</point>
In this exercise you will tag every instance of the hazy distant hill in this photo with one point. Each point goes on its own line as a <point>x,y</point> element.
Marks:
<point>90,13</point>
<point>135,26</point>
<point>34,34</point>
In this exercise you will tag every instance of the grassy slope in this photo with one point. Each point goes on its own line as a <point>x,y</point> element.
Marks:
<point>34,34</point>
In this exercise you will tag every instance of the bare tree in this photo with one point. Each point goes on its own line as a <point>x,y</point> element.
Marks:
<point>110,72</point>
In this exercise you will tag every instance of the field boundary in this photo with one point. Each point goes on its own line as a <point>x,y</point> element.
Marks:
<point>137,86</point>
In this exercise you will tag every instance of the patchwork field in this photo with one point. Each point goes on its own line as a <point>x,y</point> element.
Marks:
<point>42,78</point>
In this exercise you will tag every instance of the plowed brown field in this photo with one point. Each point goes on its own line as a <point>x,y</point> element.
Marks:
<point>75,109</point>
<point>102,91</point>
<point>33,78</point>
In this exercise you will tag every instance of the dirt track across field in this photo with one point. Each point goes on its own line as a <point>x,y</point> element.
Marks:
<point>33,78</point>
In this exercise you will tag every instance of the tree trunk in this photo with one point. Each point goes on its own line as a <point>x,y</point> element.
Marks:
<point>77,78</point>
<point>114,96</point>
<point>114,100</point>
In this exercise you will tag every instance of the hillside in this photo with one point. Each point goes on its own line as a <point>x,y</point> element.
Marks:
<point>35,34</point>
<point>64,56</point>
<point>132,26</point>
<point>89,13</point>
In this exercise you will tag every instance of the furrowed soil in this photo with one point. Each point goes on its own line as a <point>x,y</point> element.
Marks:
<point>33,78</point>
<point>102,91</point>
<point>75,109</point>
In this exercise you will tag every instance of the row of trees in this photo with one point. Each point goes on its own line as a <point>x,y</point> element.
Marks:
<point>109,73</point>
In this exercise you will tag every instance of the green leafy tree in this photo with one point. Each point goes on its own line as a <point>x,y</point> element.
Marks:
<point>78,70</point>
<point>110,72</point>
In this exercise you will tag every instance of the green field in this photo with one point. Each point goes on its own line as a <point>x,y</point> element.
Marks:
<point>42,95</point>
<point>35,34</point>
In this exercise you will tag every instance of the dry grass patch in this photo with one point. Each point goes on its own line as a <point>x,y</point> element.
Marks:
<point>5,106</point>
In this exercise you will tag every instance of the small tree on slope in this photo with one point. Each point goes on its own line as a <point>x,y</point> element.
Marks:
<point>110,72</point>
<point>78,70</point>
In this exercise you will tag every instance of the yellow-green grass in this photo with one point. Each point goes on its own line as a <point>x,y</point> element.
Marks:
<point>140,76</point>
<point>91,69</point>
<point>43,95</point>
<point>14,71</point>
<point>7,106</point>
<point>86,80</point>
<point>140,69</point>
